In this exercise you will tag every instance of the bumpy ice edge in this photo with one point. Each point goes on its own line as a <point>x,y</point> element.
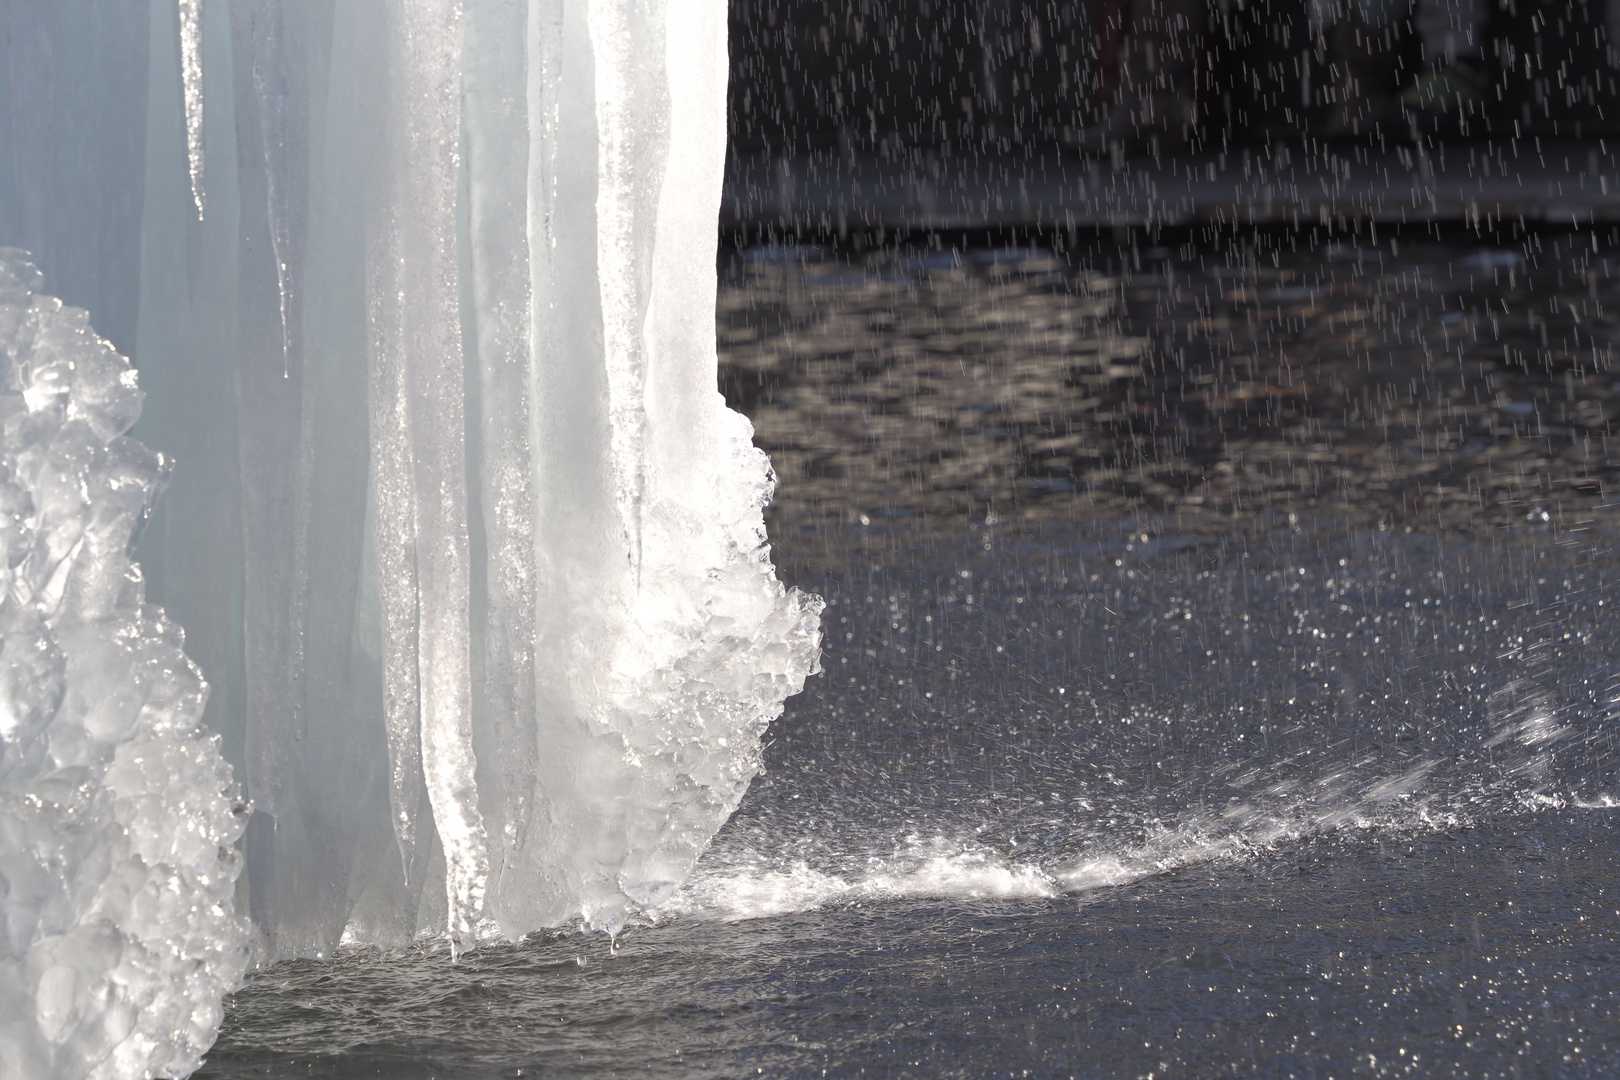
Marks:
<point>118,936</point>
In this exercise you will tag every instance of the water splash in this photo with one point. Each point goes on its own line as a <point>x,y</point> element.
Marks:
<point>945,874</point>
<point>938,867</point>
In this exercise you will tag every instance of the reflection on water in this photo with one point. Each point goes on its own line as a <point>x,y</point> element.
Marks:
<point>1428,384</point>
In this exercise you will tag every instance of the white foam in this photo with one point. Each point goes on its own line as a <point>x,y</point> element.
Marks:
<point>943,869</point>
<point>745,893</point>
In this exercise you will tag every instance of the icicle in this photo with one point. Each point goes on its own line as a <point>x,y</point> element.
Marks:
<point>495,81</point>
<point>191,83</point>
<point>391,531</point>
<point>654,674</point>
<point>623,174</point>
<point>420,453</point>
<point>270,59</point>
<point>274,442</point>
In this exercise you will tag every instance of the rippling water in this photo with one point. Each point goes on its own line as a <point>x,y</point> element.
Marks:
<point>1446,386</point>
<point>1220,675</point>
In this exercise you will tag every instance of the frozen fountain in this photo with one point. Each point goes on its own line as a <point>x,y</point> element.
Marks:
<point>465,542</point>
<point>1217,540</point>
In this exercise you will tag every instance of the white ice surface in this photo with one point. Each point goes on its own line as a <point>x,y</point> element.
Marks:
<point>464,536</point>
<point>118,865</point>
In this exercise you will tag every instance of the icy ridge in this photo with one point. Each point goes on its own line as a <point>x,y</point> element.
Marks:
<point>693,687</point>
<point>118,937</point>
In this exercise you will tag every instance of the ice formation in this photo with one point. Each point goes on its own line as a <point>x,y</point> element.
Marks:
<point>118,936</point>
<point>191,87</point>
<point>465,538</point>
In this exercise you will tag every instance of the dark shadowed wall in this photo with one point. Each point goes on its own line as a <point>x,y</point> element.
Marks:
<point>869,74</point>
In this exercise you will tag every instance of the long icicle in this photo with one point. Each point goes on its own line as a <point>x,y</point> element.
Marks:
<point>191,87</point>
<point>270,86</point>
<point>623,290</point>
<point>417,352</point>
<point>502,500</point>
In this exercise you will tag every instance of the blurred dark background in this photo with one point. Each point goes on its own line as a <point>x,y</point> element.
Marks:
<point>873,75</point>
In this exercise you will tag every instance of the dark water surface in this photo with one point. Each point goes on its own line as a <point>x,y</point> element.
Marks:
<point>1220,678</point>
<point>1446,385</point>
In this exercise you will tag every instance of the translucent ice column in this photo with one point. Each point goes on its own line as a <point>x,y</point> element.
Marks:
<point>663,643</point>
<point>462,533</point>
